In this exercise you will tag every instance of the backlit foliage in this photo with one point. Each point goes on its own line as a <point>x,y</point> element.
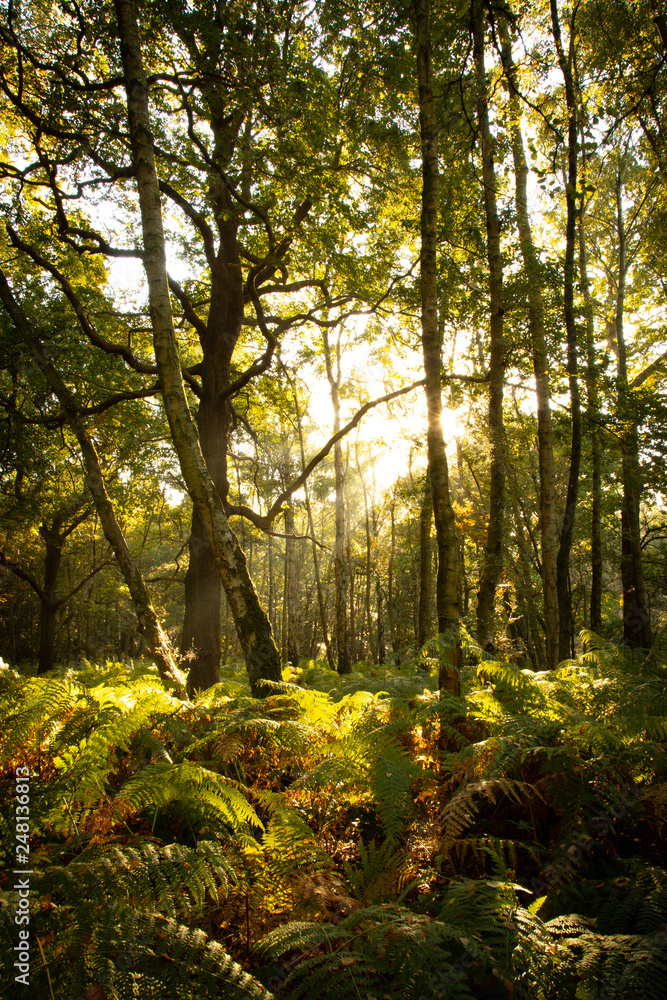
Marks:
<point>356,836</point>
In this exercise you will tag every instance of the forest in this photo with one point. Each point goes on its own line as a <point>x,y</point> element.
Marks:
<point>333,499</point>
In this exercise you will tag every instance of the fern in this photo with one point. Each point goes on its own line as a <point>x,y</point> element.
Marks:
<point>171,879</point>
<point>382,872</point>
<point>392,951</point>
<point>129,954</point>
<point>461,810</point>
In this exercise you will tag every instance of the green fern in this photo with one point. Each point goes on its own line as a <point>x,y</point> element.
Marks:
<point>131,954</point>
<point>382,872</point>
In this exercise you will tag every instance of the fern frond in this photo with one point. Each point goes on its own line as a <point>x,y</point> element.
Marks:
<point>215,799</point>
<point>381,872</point>
<point>461,810</point>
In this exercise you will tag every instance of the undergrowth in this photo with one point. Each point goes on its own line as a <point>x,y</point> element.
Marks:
<point>358,836</point>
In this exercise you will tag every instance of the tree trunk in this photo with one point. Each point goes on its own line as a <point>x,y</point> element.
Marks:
<point>443,513</point>
<point>493,556</point>
<point>565,623</point>
<point>252,625</point>
<point>382,651</point>
<point>272,586</point>
<point>636,623</point>
<point>353,640</point>
<point>593,414</point>
<point>48,603</point>
<point>292,645</point>
<point>200,641</point>
<point>425,564</point>
<point>461,491</point>
<point>535,628</point>
<point>316,561</point>
<point>340,568</point>
<point>149,624</point>
<point>390,578</point>
<point>545,450</point>
<point>369,650</point>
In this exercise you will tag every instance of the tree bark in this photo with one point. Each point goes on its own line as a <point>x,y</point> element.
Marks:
<point>200,641</point>
<point>390,576</point>
<point>340,567</point>
<point>49,604</point>
<point>252,625</point>
<point>493,556</point>
<point>321,604</point>
<point>593,415</point>
<point>443,513</point>
<point>369,650</point>
<point>636,620</point>
<point>565,624</point>
<point>292,646</point>
<point>425,564</point>
<point>545,449</point>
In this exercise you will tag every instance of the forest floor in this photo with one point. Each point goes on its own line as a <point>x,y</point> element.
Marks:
<point>359,836</point>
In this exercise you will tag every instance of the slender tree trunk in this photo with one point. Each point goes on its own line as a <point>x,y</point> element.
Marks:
<point>283,617</point>
<point>149,624</point>
<point>443,513</point>
<point>593,414</point>
<point>292,646</point>
<point>340,567</point>
<point>425,564</point>
<point>390,578</point>
<point>253,627</point>
<point>354,638</point>
<point>370,652</point>
<point>316,560</point>
<point>272,586</point>
<point>535,627</point>
<point>493,556</point>
<point>382,651</point>
<point>636,623</point>
<point>226,642</point>
<point>566,63</point>
<point>464,587</point>
<point>545,449</point>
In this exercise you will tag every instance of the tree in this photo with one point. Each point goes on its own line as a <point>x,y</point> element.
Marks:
<point>148,619</point>
<point>548,526</point>
<point>493,556</point>
<point>447,591</point>
<point>340,564</point>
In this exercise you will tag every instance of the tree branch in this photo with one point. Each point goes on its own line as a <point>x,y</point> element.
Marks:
<point>82,583</point>
<point>107,346</point>
<point>197,218</point>
<point>22,574</point>
<point>263,521</point>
